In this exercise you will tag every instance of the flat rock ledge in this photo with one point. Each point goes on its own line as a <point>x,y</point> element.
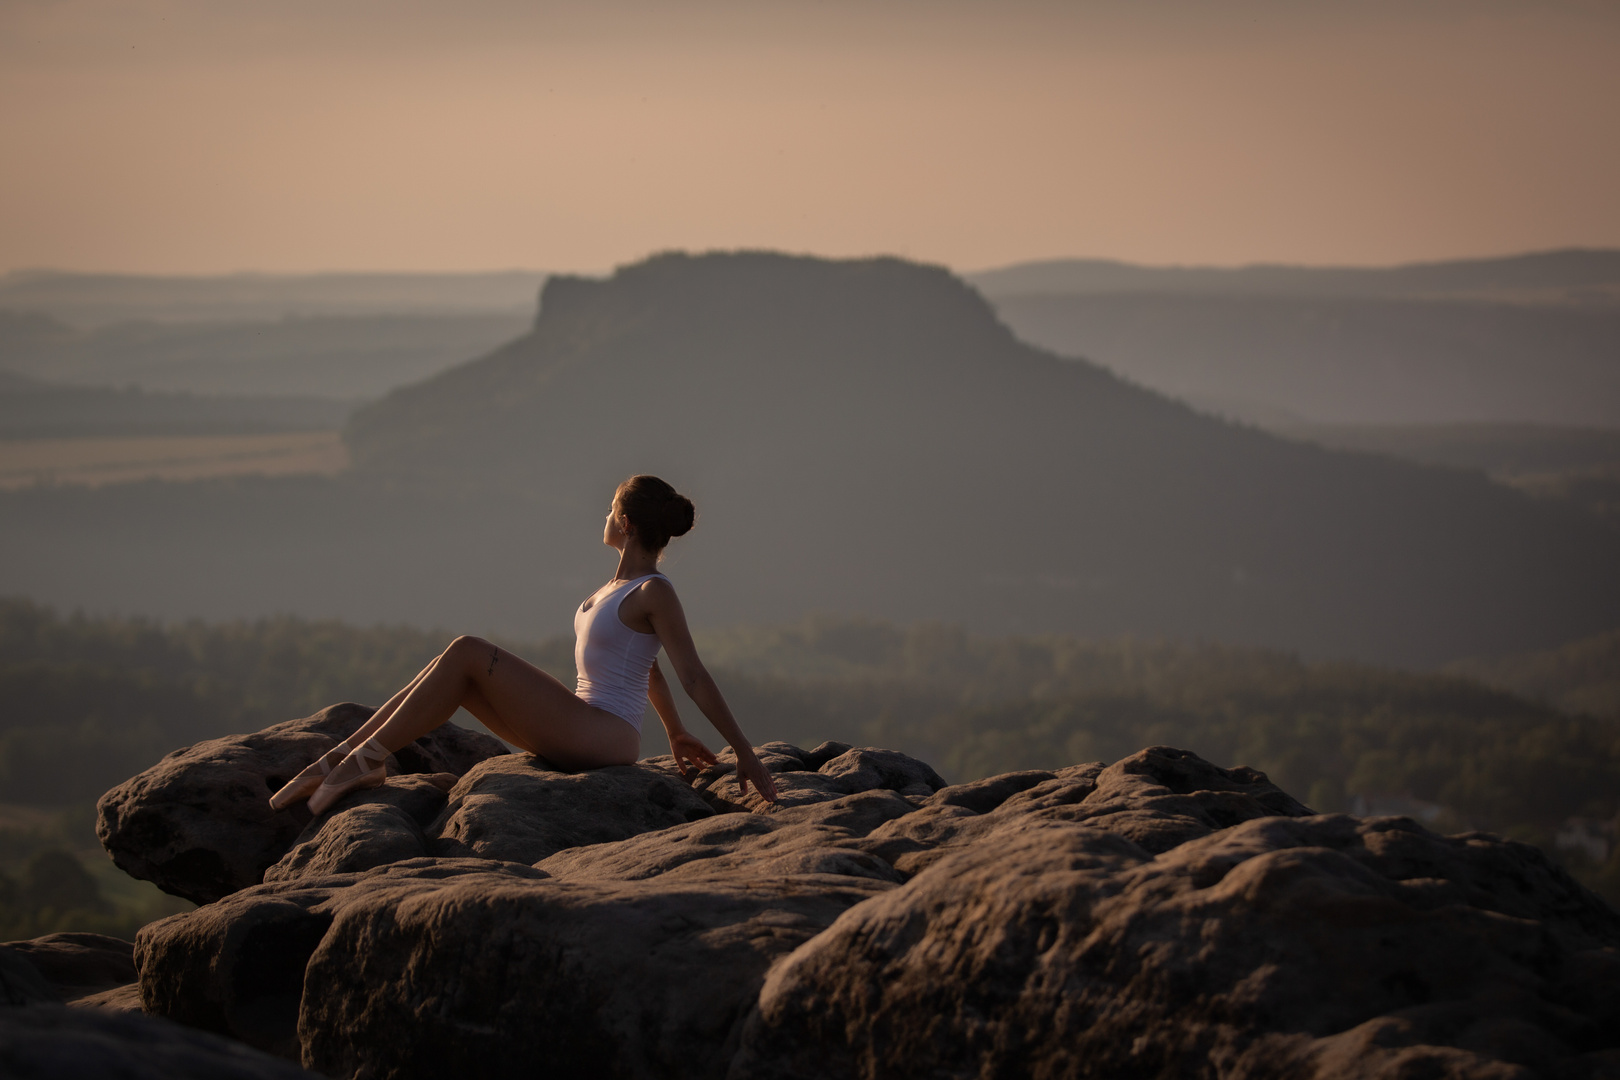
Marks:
<point>485,914</point>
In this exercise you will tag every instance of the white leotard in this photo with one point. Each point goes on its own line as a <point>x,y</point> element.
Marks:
<point>613,660</point>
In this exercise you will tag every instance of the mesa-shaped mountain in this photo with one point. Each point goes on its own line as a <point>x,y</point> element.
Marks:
<point>866,436</point>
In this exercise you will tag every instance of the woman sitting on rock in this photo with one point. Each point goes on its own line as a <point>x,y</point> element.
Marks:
<point>618,632</point>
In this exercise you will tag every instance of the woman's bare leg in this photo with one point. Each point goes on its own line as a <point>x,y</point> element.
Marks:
<point>486,714</point>
<point>518,701</point>
<point>380,717</point>
<point>313,775</point>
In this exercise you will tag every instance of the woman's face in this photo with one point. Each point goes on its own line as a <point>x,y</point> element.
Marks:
<point>613,533</point>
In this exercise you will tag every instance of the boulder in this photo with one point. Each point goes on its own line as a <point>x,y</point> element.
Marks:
<point>433,965</point>
<point>126,998</point>
<point>828,772</point>
<point>518,808</point>
<point>1308,946</point>
<point>51,1042</point>
<point>78,966</point>
<point>236,967</point>
<point>369,828</point>
<point>1157,916</point>
<point>728,847</point>
<point>496,976</point>
<point>1157,798</point>
<point>357,838</point>
<point>859,813</point>
<point>21,982</point>
<point>199,825</point>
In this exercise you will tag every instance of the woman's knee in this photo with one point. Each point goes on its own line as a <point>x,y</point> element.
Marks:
<point>467,649</point>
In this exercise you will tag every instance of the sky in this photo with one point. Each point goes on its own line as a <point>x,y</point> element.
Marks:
<point>208,136</point>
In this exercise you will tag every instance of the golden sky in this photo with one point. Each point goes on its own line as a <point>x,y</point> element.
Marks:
<point>198,136</point>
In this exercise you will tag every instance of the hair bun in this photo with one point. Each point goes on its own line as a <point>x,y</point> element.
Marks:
<point>654,510</point>
<point>679,513</point>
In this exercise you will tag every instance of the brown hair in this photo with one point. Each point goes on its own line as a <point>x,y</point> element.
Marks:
<point>654,510</point>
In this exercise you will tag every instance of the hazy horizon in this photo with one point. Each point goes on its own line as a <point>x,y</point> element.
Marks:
<point>175,137</point>
<point>966,271</point>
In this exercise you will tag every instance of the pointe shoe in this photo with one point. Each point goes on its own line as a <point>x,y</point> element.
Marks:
<point>304,784</point>
<point>369,757</point>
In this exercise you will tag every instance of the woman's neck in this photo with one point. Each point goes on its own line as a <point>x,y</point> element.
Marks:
<point>635,561</point>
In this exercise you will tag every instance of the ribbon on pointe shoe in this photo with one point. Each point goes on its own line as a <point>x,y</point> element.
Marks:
<point>313,774</point>
<point>370,758</point>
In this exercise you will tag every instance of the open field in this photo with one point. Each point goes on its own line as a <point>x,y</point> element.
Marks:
<point>94,462</point>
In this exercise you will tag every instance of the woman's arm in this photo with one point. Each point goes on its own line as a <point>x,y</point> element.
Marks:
<point>685,747</point>
<point>669,623</point>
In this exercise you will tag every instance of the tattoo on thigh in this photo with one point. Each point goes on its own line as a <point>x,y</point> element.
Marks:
<point>494,656</point>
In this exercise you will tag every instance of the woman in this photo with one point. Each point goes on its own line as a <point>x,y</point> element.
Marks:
<point>618,632</point>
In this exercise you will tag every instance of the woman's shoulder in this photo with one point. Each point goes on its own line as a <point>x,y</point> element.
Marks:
<point>655,590</point>
<point>651,596</point>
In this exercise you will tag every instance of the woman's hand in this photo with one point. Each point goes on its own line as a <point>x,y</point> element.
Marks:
<point>687,748</point>
<point>750,770</point>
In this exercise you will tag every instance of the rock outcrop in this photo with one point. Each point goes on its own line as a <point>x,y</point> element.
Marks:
<point>1159,916</point>
<point>198,823</point>
<point>52,1042</point>
<point>1279,947</point>
<point>70,1007</point>
<point>75,969</point>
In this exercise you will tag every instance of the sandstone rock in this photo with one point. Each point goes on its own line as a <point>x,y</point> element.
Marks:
<point>370,828</point>
<point>983,796</point>
<point>420,797</point>
<point>76,966</point>
<point>444,966</point>
<point>125,998</point>
<point>351,840</point>
<point>1158,916</point>
<point>51,1042</point>
<point>1157,798</point>
<point>236,967</point>
<point>517,809</point>
<point>198,825</point>
<point>495,976</point>
<point>805,777</point>
<point>859,813</point>
<point>1163,797</point>
<point>1314,946</point>
<point>741,848</point>
<point>21,982</point>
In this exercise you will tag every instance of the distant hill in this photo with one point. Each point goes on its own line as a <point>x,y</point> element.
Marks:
<point>1499,449</point>
<point>1347,360</point>
<point>1579,467</point>
<point>1527,339</point>
<point>332,356</point>
<point>1574,275</point>
<point>31,409</point>
<point>867,437</point>
<point>84,300</point>
<point>1578,677</point>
